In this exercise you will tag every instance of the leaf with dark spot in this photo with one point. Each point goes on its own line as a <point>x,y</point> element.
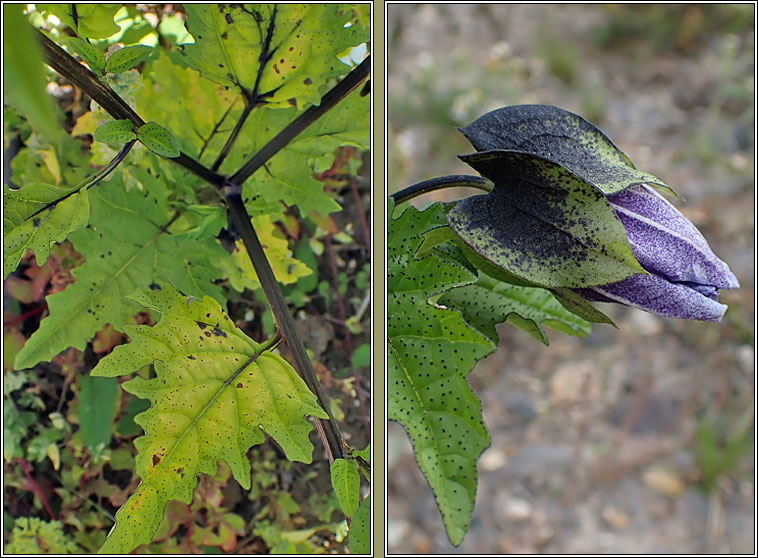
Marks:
<point>562,137</point>
<point>193,422</point>
<point>543,224</point>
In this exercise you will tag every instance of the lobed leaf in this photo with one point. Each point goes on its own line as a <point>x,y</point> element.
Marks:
<point>240,271</point>
<point>562,137</point>
<point>214,394</point>
<point>25,229</point>
<point>127,58</point>
<point>289,175</point>
<point>431,349</point>
<point>158,139</point>
<point>543,224</point>
<point>126,247</point>
<point>283,52</point>
<point>488,302</point>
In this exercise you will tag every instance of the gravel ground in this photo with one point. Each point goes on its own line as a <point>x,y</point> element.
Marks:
<point>624,442</point>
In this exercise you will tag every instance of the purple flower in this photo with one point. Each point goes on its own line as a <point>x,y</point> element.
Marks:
<point>685,275</point>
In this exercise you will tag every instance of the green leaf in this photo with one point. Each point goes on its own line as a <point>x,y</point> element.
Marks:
<point>97,409</point>
<point>115,132</point>
<point>365,453</point>
<point>289,175</point>
<point>127,58</point>
<point>543,224</point>
<point>215,392</point>
<point>26,231</point>
<point>94,21</point>
<point>288,50</point>
<point>24,74</point>
<point>158,139</point>
<point>126,247</point>
<point>89,53</point>
<point>431,349</point>
<point>194,124</point>
<point>240,271</point>
<point>346,483</point>
<point>489,302</point>
<point>359,541</point>
<point>562,137</point>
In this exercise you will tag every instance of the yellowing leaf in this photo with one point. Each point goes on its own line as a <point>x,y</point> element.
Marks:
<point>286,268</point>
<point>215,392</point>
<point>282,52</point>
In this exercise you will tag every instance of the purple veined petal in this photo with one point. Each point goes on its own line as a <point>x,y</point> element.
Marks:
<point>665,242</point>
<point>657,295</point>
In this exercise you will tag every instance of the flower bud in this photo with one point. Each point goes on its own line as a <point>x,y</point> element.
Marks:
<point>685,275</point>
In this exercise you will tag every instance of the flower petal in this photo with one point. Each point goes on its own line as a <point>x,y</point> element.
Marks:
<point>657,295</point>
<point>665,242</point>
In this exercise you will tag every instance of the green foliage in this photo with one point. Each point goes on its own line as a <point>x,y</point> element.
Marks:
<point>158,139</point>
<point>31,535</point>
<point>23,73</point>
<point>442,313</point>
<point>346,483</point>
<point>126,247</point>
<point>290,173</point>
<point>719,452</point>
<point>360,529</point>
<point>92,21</point>
<point>97,409</point>
<point>29,226</point>
<point>215,391</point>
<point>89,53</point>
<point>431,350</point>
<point>488,302</point>
<point>115,132</point>
<point>118,246</point>
<point>127,58</point>
<point>282,53</point>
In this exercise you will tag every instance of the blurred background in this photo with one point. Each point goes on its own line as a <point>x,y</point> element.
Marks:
<point>636,440</point>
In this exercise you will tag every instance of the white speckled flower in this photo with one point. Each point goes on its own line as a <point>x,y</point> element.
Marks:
<point>685,275</point>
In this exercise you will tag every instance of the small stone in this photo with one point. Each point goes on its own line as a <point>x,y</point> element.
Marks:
<point>615,518</point>
<point>517,509</point>
<point>665,481</point>
<point>492,459</point>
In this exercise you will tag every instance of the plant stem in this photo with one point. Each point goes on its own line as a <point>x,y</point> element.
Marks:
<point>232,137</point>
<point>77,74</point>
<point>285,323</point>
<point>60,61</point>
<point>452,181</point>
<point>91,181</point>
<point>329,100</point>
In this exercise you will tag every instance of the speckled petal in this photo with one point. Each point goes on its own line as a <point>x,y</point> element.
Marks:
<point>665,242</point>
<point>659,296</point>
